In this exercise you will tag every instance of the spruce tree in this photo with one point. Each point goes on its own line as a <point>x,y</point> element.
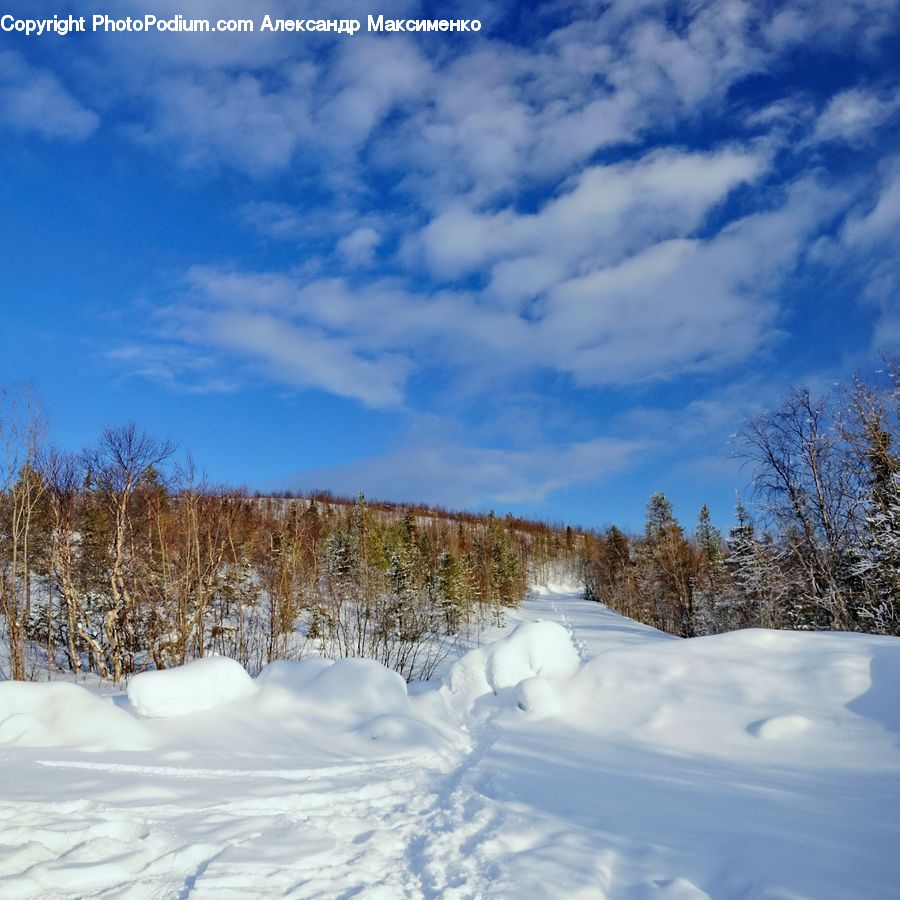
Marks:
<point>711,579</point>
<point>879,565</point>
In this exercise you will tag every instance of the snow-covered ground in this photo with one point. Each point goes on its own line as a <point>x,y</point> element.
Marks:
<point>584,756</point>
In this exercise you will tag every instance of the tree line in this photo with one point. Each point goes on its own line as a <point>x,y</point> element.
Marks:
<point>820,550</point>
<point>115,559</point>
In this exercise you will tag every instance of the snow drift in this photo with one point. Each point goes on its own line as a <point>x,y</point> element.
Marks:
<point>587,756</point>
<point>66,715</point>
<point>533,656</point>
<point>794,697</point>
<point>195,687</point>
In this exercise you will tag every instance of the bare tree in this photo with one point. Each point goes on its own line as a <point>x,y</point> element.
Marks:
<point>63,475</point>
<point>122,460</point>
<point>22,430</point>
<point>810,492</point>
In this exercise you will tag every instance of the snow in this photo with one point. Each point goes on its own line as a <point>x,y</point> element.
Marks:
<point>578,754</point>
<point>201,684</point>
<point>534,653</point>
<point>65,715</point>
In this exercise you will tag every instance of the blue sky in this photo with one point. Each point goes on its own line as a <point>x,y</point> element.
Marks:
<point>546,268</point>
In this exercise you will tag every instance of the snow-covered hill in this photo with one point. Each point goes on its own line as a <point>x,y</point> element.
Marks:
<point>581,756</point>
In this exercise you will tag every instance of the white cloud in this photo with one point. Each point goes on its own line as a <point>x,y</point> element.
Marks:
<point>34,100</point>
<point>263,121</point>
<point>358,247</point>
<point>849,25</point>
<point>274,219</point>
<point>173,366</point>
<point>606,212</point>
<point>292,354</point>
<point>675,305</point>
<point>855,115</point>
<point>368,79</point>
<point>881,219</point>
<point>458,476</point>
<point>521,250</point>
<point>236,120</point>
<point>684,304</point>
<point>869,243</point>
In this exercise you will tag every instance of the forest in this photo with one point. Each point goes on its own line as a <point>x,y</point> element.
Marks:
<point>820,550</point>
<point>114,559</point>
<point>117,558</point>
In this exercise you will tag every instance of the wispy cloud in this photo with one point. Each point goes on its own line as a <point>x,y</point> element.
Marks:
<point>34,100</point>
<point>598,202</point>
<point>856,115</point>
<point>172,366</point>
<point>648,303</point>
<point>456,475</point>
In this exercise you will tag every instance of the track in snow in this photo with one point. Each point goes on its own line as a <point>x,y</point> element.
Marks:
<point>608,799</point>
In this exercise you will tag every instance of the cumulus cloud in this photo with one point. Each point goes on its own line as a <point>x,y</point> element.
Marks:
<point>239,121</point>
<point>684,304</point>
<point>262,119</point>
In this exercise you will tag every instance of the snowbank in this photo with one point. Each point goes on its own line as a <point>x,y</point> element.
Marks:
<point>197,686</point>
<point>66,715</point>
<point>798,697</point>
<point>532,654</point>
<point>290,674</point>
<point>351,701</point>
<point>758,763</point>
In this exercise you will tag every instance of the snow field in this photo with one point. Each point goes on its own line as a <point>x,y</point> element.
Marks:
<point>581,755</point>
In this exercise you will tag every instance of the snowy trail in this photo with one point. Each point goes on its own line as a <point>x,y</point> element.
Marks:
<point>603,760</point>
<point>161,832</point>
<point>593,627</point>
<point>409,827</point>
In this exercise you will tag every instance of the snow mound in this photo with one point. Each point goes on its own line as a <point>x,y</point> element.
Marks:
<point>290,674</point>
<point>534,651</point>
<point>538,697</point>
<point>364,684</point>
<point>347,704</point>
<point>66,715</point>
<point>796,697</point>
<point>197,686</point>
<point>345,692</point>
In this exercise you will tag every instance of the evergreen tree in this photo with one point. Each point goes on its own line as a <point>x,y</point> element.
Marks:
<point>879,565</point>
<point>666,568</point>
<point>659,516</point>
<point>711,580</point>
<point>447,589</point>
<point>762,593</point>
<point>734,608</point>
